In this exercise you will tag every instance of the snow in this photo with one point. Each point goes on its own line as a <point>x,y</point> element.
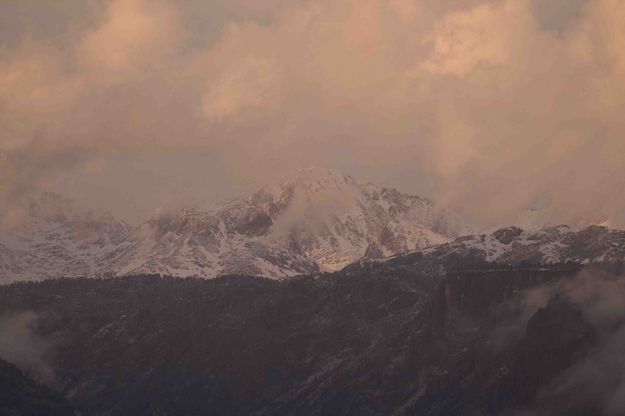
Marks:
<point>321,220</point>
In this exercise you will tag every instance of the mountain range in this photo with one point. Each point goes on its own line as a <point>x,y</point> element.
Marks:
<point>364,300</point>
<point>319,221</point>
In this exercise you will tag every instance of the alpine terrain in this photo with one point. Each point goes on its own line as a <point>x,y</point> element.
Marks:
<point>320,220</point>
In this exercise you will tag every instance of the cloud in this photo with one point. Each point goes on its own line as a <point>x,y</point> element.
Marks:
<point>595,380</point>
<point>491,106</point>
<point>464,40</point>
<point>133,33</point>
<point>556,15</point>
<point>250,83</point>
<point>22,348</point>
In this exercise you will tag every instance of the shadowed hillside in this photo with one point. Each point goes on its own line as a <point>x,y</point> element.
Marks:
<point>387,339</point>
<point>21,396</point>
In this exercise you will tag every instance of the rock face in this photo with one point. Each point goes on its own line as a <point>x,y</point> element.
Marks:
<point>319,221</point>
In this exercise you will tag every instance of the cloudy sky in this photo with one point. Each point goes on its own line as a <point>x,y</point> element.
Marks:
<point>490,106</point>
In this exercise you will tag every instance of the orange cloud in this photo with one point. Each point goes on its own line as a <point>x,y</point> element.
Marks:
<point>495,107</point>
<point>133,33</point>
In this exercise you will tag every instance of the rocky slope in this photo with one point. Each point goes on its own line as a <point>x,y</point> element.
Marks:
<point>53,237</point>
<point>513,246</point>
<point>320,220</point>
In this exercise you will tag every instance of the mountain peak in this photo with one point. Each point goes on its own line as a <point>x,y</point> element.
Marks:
<point>319,177</point>
<point>321,219</point>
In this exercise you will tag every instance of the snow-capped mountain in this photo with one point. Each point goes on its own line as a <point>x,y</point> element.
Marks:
<point>55,238</point>
<point>320,220</point>
<point>515,247</point>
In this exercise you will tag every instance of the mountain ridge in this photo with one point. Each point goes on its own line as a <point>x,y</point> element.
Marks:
<point>320,220</point>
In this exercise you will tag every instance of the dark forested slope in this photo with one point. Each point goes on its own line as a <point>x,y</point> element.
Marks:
<point>21,396</point>
<point>390,338</point>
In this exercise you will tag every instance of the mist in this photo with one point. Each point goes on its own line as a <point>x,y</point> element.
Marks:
<point>492,107</point>
<point>594,383</point>
<point>20,346</point>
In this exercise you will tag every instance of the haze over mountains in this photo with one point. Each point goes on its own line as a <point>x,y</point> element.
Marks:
<point>372,302</point>
<point>320,220</point>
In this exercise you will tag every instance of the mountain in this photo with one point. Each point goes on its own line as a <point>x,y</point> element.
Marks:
<point>53,237</point>
<point>320,220</point>
<point>511,322</point>
<point>513,246</point>
<point>414,335</point>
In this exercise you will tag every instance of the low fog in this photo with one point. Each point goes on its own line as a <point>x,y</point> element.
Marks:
<point>597,378</point>
<point>20,346</point>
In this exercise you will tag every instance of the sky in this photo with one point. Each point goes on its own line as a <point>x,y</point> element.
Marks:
<point>492,107</point>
